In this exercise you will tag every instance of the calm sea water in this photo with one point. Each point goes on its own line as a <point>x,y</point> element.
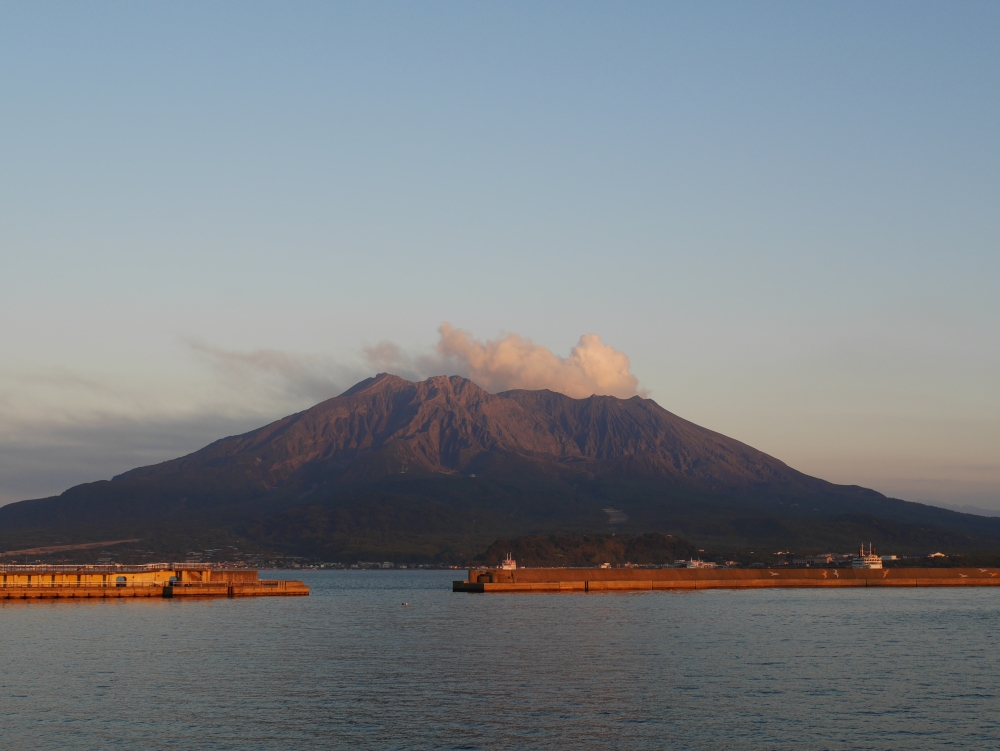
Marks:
<point>351,667</point>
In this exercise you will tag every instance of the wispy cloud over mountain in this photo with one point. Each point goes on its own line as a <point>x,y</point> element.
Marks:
<point>286,375</point>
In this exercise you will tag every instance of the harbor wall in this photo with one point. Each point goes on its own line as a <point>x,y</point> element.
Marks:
<point>34,582</point>
<point>635,579</point>
<point>81,578</point>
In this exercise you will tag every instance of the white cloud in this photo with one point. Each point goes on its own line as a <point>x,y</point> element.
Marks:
<point>514,362</point>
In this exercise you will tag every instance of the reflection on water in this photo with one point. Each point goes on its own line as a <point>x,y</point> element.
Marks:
<point>351,667</point>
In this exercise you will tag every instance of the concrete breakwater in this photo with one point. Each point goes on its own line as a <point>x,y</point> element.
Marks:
<point>40,582</point>
<point>636,579</point>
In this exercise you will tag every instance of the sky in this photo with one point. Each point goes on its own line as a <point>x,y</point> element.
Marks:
<point>778,220</point>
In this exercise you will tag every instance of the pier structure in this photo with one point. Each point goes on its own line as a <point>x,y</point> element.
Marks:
<point>34,582</point>
<point>640,579</point>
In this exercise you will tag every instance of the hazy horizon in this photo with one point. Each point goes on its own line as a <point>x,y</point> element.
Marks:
<point>778,221</point>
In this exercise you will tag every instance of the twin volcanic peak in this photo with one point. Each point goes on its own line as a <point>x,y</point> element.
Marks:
<point>438,470</point>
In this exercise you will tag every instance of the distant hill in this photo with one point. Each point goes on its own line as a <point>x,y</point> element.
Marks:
<point>968,509</point>
<point>438,470</point>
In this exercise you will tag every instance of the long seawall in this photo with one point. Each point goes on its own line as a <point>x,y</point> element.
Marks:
<point>636,579</point>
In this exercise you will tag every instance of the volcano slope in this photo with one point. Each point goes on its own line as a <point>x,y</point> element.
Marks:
<point>438,470</point>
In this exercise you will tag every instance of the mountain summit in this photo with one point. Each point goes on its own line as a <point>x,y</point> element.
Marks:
<point>445,424</point>
<point>441,467</point>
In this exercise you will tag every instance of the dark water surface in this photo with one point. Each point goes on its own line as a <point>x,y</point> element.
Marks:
<point>350,667</point>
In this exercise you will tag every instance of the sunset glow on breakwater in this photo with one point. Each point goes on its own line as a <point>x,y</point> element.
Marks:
<point>60,582</point>
<point>637,580</point>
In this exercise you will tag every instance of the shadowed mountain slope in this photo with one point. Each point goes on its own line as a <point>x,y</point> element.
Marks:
<point>438,469</point>
<point>445,423</point>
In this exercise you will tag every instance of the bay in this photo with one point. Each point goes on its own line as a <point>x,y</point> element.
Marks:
<point>352,667</point>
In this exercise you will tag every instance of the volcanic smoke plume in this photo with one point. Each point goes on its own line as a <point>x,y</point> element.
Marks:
<point>508,362</point>
<point>513,362</point>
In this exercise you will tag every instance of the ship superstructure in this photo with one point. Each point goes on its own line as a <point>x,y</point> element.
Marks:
<point>866,560</point>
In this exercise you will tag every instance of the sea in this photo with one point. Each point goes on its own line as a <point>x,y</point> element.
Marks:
<point>396,660</point>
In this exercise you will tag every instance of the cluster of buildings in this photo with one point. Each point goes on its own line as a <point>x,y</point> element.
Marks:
<point>698,563</point>
<point>368,565</point>
<point>846,559</point>
<point>822,560</point>
<point>830,559</point>
<point>861,559</point>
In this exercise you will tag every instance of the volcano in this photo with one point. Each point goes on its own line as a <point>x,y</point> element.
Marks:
<point>436,470</point>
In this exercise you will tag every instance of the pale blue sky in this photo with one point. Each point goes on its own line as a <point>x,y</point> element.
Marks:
<point>784,214</point>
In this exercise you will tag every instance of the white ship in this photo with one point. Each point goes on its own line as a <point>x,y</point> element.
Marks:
<point>869,560</point>
<point>508,563</point>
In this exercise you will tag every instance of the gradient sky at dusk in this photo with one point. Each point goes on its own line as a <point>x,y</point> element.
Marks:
<point>785,215</point>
